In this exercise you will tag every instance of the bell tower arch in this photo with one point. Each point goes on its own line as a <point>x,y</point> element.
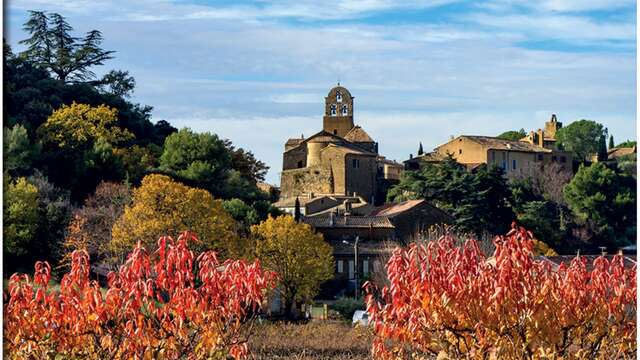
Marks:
<point>338,111</point>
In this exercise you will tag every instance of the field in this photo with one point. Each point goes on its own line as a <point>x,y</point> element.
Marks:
<point>314,340</point>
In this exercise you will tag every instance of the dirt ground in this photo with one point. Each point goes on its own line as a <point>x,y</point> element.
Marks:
<point>314,340</point>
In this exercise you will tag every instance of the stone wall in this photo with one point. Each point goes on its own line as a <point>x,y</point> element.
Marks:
<point>297,182</point>
<point>361,179</point>
<point>293,158</point>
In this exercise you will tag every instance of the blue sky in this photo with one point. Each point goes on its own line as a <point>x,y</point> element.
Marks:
<point>420,71</point>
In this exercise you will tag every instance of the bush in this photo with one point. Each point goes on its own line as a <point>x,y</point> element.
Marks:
<point>346,306</point>
<point>159,305</point>
<point>454,301</point>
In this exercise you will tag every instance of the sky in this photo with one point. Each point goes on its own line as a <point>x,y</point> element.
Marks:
<point>420,71</point>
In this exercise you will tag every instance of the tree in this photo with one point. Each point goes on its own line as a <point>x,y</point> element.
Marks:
<point>420,149</point>
<point>244,214</point>
<point>605,200</point>
<point>52,47</point>
<point>91,225</point>
<point>301,257</point>
<point>163,304</point>
<point>163,206</point>
<point>205,161</point>
<point>611,142</point>
<point>602,148</point>
<point>19,151</point>
<point>80,126</point>
<point>54,214</point>
<point>512,135</point>
<point>118,83</point>
<point>627,143</point>
<point>137,160</point>
<point>296,213</point>
<point>20,216</point>
<point>478,201</point>
<point>581,138</point>
<point>201,158</point>
<point>454,302</point>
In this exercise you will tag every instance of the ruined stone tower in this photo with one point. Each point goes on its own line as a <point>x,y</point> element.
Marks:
<point>338,111</point>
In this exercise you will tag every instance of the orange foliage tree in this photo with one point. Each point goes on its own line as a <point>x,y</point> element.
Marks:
<point>161,305</point>
<point>456,303</point>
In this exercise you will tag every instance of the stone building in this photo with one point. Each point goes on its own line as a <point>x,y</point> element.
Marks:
<point>341,160</point>
<point>524,156</point>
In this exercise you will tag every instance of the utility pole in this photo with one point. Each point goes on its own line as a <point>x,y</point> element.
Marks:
<point>355,253</point>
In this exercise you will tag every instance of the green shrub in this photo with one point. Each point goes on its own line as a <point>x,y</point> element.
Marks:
<point>346,306</point>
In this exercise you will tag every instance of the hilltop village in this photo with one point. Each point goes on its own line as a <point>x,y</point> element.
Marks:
<point>337,181</point>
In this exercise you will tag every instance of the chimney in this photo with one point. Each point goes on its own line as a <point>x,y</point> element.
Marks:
<point>540,137</point>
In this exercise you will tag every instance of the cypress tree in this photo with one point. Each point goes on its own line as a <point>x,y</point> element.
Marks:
<point>602,148</point>
<point>296,211</point>
<point>611,143</point>
<point>420,150</point>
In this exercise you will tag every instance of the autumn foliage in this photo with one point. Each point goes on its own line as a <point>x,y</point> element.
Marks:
<point>159,305</point>
<point>456,303</point>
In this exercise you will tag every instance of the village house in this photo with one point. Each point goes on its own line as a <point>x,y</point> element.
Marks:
<point>515,157</point>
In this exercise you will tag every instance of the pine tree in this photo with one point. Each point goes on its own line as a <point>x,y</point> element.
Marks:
<point>420,150</point>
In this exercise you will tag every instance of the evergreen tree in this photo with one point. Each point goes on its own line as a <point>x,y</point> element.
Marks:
<point>602,148</point>
<point>611,143</point>
<point>52,47</point>
<point>297,214</point>
<point>420,150</point>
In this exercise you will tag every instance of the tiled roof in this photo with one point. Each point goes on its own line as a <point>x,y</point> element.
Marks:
<point>618,152</point>
<point>328,220</point>
<point>429,157</point>
<point>357,134</point>
<point>501,144</point>
<point>392,209</point>
<point>294,141</point>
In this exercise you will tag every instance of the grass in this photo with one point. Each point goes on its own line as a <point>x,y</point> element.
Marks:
<point>314,340</point>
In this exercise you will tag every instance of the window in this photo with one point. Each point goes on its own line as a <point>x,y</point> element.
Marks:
<point>365,267</point>
<point>460,151</point>
<point>504,164</point>
<point>299,164</point>
<point>539,157</point>
<point>344,110</point>
<point>340,266</point>
<point>351,269</point>
<point>563,159</point>
<point>333,109</point>
<point>514,164</point>
<point>493,157</point>
<point>338,96</point>
<point>355,163</point>
<point>554,158</point>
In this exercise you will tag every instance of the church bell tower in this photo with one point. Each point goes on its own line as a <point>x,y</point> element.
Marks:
<point>338,111</point>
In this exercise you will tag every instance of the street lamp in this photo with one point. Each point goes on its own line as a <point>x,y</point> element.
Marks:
<point>355,252</point>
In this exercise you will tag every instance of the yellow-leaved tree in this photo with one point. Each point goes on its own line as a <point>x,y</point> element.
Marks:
<point>162,206</point>
<point>80,125</point>
<point>301,257</point>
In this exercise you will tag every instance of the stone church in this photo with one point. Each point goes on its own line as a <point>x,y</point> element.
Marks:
<point>340,161</point>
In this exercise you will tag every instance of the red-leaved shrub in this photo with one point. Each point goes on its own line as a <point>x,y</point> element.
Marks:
<point>454,302</point>
<point>161,305</point>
